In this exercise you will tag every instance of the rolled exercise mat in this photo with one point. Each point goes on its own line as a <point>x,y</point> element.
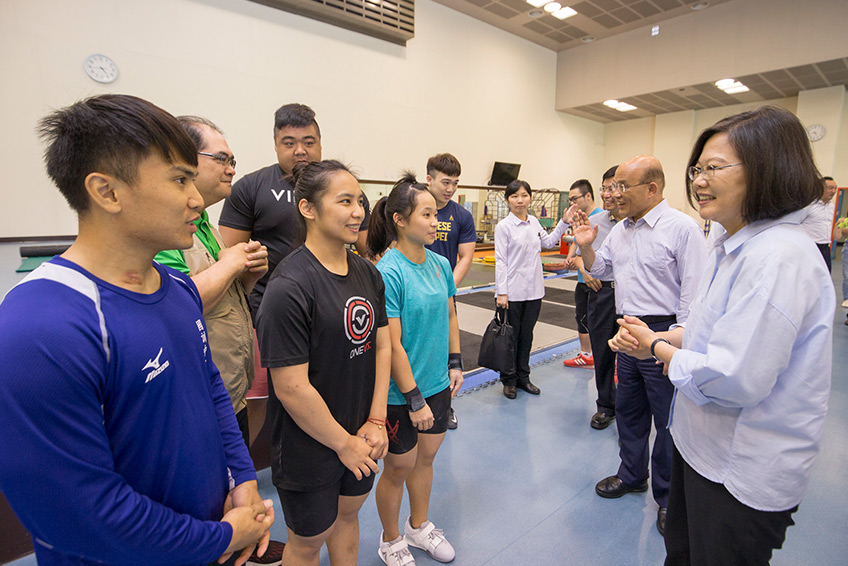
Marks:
<point>47,250</point>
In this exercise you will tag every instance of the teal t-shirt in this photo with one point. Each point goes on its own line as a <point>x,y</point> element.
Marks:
<point>419,295</point>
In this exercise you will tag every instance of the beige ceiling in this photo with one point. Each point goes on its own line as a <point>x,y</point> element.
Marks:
<point>595,18</point>
<point>600,19</point>
<point>781,83</point>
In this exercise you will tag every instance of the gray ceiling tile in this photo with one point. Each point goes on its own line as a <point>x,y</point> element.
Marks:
<point>538,27</point>
<point>773,76</point>
<point>833,65</point>
<point>803,71</point>
<point>586,8</point>
<point>607,5</point>
<point>625,15</point>
<point>559,37</point>
<point>837,77</point>
<point>607,21</point>
<point>645,9</point>
<point>666,5</point>
<point>517,5</point>
<point>502,11</point>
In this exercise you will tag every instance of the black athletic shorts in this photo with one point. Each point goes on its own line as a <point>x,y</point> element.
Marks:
<point>403,436</point>
<point>310,513</point>
<point>581,306</point>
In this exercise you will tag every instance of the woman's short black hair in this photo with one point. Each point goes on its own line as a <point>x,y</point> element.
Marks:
<point>780,173</point>
<point>513,187</point>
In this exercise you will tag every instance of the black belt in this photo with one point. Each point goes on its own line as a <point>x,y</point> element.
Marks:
<point>610,284</point>
<point>654,318</point>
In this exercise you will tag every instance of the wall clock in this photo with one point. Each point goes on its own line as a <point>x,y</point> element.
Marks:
<point>101,68</point>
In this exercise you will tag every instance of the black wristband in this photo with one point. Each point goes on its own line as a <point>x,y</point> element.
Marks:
<point>654,345</point>
<point>414,399</point>
<point>455,361</point>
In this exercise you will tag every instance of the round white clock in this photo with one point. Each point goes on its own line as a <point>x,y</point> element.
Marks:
<point>101,68</point>
<point>816,132</point>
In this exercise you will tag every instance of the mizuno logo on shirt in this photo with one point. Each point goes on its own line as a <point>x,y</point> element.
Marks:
<point>156,365</point>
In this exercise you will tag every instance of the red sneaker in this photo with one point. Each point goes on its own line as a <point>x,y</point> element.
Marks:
<point>580,361</point>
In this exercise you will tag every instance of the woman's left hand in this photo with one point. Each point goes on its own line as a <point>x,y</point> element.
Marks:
<point>456,381</point>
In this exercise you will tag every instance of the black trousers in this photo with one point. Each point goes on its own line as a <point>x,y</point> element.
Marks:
<point>522,316</point>
<point>241,418</point>
<point>707,526</point>
<point>602,327</point>
<point>825,252</point>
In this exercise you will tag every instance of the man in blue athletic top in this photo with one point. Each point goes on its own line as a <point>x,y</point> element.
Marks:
<point>118,441</point>
<point>455,234</point>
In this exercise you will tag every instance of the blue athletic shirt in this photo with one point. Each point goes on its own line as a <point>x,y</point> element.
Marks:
<point>456,226</point>
<point>117,437</point>
<point>419,295</point>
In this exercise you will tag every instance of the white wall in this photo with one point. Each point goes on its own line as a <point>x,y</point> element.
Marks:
<point>460,86</point>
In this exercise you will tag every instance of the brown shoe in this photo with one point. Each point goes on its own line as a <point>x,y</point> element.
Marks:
<point>510,392</point>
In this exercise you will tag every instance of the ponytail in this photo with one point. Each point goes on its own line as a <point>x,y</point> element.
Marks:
<point>382,229</point>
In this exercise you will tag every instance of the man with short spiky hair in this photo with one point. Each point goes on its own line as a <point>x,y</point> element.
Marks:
<point>118,442</point>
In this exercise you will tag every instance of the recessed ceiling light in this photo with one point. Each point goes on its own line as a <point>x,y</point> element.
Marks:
<point>535,13</point>
<point>564,13</point>
<point>699,5</point>
<point>537,3</point>
<point>552,7</point>
<point>731,86</point>
<point>588,39</point>
<point>655,30</point>
<point>620,106</point>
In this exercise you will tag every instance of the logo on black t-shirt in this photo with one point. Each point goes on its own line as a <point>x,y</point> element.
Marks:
<point>359,319</point>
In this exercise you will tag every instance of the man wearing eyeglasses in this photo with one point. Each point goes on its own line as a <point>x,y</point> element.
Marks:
<point>600,310</point>
<point>581,195</point>
<point>223,275</point>
<point>655,256</point>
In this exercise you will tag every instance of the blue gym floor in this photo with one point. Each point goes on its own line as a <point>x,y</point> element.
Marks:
<point>514,484</point>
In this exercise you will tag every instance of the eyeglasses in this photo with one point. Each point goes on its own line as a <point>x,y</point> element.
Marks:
<point>622,188</point>
<point>606,189</point>
<point>222,158</point>
<point>707,172</point>
<point>572,200</point>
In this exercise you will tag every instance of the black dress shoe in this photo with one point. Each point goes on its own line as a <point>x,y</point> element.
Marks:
<point>612,487</point>
<point>510,392</point>
<point>600,420</point>
<point>529,387</point>
<point>661,520</point>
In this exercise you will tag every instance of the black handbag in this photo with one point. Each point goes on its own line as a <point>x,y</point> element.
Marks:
<point>497,348</point>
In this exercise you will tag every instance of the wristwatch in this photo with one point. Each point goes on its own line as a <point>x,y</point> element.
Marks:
<point>654,345</point>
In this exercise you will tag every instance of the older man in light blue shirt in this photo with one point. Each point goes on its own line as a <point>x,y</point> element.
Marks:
<point>656,256</point>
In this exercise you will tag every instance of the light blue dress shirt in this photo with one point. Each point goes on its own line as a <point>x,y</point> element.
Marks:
<point>656,262</point>
<point>753,377</point>
<point>604,221</point>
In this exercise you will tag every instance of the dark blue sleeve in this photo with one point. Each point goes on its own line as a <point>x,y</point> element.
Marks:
<point>56,464</point>
<point>467,232</point>
<point>239,461</point>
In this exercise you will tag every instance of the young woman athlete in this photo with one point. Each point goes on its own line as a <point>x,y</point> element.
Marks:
<point>426,366</point>
<point>323,333</point>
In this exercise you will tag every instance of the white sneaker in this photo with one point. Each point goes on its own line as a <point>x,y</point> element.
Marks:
<point>395,552</point>
<point>845,304</point>
<point>427,537</point>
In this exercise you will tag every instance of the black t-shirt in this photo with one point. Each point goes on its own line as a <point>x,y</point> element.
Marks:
<point>263,203</point>
<point>310,315</point>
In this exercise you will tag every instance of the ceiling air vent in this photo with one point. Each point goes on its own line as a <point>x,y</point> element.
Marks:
<point>390,20</point>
